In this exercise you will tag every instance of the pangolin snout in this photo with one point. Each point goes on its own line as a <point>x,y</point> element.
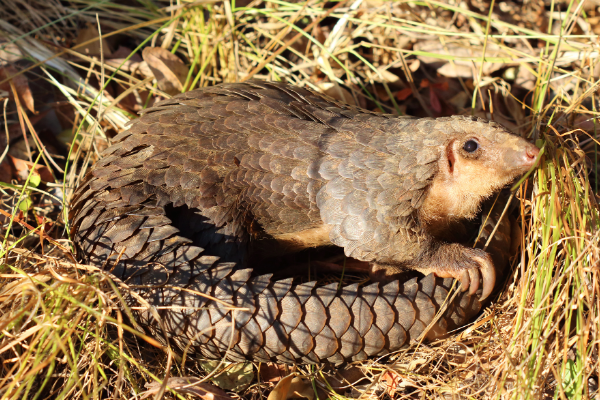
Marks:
<point>529,155</point>
<point>524,158</point>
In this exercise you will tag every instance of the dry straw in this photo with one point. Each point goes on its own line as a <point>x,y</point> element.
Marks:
<point>62,329</point>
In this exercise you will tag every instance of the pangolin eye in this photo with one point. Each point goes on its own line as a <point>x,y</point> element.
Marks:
<point>470,146</point>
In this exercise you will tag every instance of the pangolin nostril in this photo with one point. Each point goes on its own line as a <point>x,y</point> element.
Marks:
<point>532,152</point>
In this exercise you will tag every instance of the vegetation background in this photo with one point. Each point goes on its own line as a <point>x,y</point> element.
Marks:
<point>74,72</point>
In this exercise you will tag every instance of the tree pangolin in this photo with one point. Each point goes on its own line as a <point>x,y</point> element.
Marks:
<point>215,180</point>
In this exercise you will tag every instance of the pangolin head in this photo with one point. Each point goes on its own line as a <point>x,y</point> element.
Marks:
<point>477,158</point>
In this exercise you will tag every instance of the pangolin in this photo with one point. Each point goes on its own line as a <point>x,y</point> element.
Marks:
<point>209,183</point>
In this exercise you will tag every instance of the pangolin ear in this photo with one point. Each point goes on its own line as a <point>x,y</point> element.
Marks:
<point>448,159</point>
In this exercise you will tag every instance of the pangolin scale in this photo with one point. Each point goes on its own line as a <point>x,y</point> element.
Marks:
<point>183,202</point>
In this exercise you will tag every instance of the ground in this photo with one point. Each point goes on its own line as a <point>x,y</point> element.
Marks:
<point>72,74</point>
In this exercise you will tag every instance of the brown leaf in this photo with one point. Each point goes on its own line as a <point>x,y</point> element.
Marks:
<point>21,86</point>
<point>6,170</point>
<point>135,64</point>
<point>403,94</point>
<point>392,381</point>
<point>93,48</point>
<point>23,167</point>
<point>301,388</point>
<point>292,387</point>
<point>191,386</point>
<point>459,100</point>
<point>462,66</point>
<point>383,75</point>
<point>9,52</point>
<point>271,372</point>
<point>170,72</point>
<point>234,377</point>
<point>281,390</point>
<point>434,101</point>
<point>337,92</point>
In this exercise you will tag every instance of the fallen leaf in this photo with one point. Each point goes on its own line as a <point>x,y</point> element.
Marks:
<point>92,49</point>
<point>381,93</point>
<point>392,380</point>
<point>21,86</point>
<point>292,387</point>
<point>337,92</point>
<point>235,377</point>
<point>434,101</point>
<point>442,85</point>
<point>9,52</point>
<point>456,70</point>
<point>190,386</point>
<point>170,72</point>
<point>281,390</point>
<point>463,65</point>
<point>383,75</point>
<point>403,94</point>
<point>19,286</point>
<point>459,100</point>
<point>6,170</point>
<point>301,388</point>
<point>271,372</point>
<point>23,167</point>
<point>414,66</point>
<point>525,79</point>
<point>134,64</point>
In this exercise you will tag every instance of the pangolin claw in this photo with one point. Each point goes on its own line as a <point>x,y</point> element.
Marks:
<point>488,274</point>
<point>469,278</point>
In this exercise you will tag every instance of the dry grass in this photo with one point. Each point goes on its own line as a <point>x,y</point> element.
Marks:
<point>62,333</point>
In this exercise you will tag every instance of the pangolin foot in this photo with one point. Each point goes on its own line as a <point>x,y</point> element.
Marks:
<point>469,276</point>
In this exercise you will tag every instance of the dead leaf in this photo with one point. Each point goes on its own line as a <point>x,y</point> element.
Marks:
<point>235,377</point>
<point>23,167</point>
<point>459,100</point>
<point>301,388</point>
<point>19,286</point>
<point>281,390</point>
<point>9,52</point>
<point>414,66</point>
<point>190,386</point>
<point>170,72</point>
<point>292,387</point>
<point>403,94</point>
<point>271,372</point>
<point>92,49</point>
<point>6,171</point>
<point>434,101</point>
<point>383,75</point>
<point>133,64</point>
<point>463,65</point>
<point>526,79</point>
<point>337,92</point>
<point>392,380</point>
<point>584,122</point>
<point>21,86</point>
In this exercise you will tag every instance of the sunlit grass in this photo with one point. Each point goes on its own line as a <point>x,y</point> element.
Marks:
<point>62,333</point>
